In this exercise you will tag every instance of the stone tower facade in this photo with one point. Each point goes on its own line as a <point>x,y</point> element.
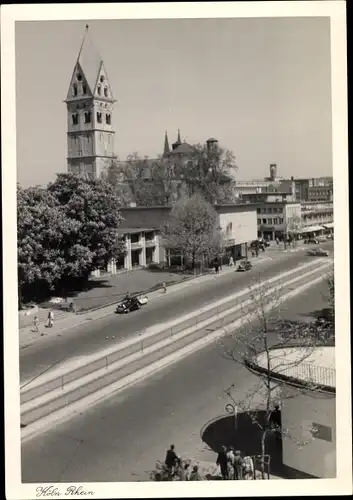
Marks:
<point>90,103</point>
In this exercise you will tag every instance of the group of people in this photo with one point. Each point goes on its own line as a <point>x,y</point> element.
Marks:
<point>175,467</point>
<point>233,465</point>
<point>49,324</point>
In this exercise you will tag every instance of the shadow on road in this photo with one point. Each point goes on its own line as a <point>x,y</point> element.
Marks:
<point>246,437</point>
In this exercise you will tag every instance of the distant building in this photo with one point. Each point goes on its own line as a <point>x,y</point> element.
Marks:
<point>313,189</point>
<point>273,183</point>
<point>142,226</point>
<point>276,217</point>
<point>90,102</point>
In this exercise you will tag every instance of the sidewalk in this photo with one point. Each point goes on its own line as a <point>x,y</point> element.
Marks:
<point>71,320</point>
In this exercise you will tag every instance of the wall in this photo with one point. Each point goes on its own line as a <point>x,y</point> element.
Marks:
<point>318,456</point>
<point>145,218</point>
<point>242,225</point>
<point>292,210</point>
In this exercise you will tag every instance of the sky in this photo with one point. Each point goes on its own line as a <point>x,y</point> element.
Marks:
<point>261,86</point>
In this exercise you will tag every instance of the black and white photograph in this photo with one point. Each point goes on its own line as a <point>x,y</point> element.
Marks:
<point>176,256</point>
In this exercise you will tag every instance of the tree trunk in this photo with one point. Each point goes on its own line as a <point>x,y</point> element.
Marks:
<point>263,453</point>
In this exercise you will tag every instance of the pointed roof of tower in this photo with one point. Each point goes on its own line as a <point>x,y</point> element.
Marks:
<point>177,142</point>
<point>166,144</point>
<point>89,60</point>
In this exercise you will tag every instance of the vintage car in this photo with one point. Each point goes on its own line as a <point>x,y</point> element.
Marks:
<point>318,252</point>
<point>127,305</point>
<point>245,265</point>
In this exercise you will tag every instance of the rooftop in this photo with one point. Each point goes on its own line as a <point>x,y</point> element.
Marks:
<point>299,365</point>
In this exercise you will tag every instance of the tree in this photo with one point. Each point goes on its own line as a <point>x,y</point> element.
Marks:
<point>294,226</point>
<point>265,332</point>
<point>160,181</point>
<point>65,231</point>
<point>192,229</point>
<point>94,206</point>
<point>41,228</point>
<point>209,171</point>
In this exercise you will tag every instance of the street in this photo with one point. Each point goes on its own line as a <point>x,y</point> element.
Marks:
<point>121,439</point>
<point>92,337</point>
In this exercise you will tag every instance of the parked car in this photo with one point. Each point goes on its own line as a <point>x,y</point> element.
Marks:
<point>312,240</point>
<point>245,265</point>
<point>143,299</point>
<point>128,305</point>
<point>318,252</point>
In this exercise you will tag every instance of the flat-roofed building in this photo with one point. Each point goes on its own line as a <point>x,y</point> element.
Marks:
<point>142,226</point>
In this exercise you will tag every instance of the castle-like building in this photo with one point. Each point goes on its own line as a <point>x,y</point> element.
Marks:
<point>90,107</point>
<point>90,103</point>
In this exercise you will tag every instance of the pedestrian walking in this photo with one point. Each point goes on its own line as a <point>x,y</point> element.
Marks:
<point>231,261</point>
<point>248,468</point>
<point>35,324</point>
<point>184,472</point>
<point>222,462</point>
<point>277,240</point>
<point>50,318</point>
<point>171,459</point>
<point>238,465</point>
<point>195,475</point>
<point>231,461</point>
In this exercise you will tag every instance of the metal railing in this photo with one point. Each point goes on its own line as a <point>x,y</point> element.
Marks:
<point>304,371</point>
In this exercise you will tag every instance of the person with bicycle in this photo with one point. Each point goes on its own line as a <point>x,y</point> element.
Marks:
<point>171,460</point>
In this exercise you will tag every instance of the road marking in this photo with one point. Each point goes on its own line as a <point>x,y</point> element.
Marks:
<point>65,413</point>
<point>75,362</point>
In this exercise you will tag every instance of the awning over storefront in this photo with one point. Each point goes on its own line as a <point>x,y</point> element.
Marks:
<point>311,229</point>
<point>329,225</point>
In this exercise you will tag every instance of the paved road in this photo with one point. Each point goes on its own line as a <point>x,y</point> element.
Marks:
<point>122,438</point>
<point>91,337</point>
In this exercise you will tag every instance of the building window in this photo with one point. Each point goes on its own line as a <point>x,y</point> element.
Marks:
<point>258,210</point>
<point>269,221</point>
<point>74,90</point>
<point>263,221</point>
<point>275,220</point>
<point>84,89</point>
<point>75,119</point>
<point>275,210</point>
<point>102,78</point>
<point>108,119</point>
<point>99,90</point>
<point>79,77</point>
<point>281,221</point>
<point>280,210</point>
<point>263,210</point>
<point>106,91</point>
<point>99,117</point>
<point>270,210</point>
<point>259,222</point>
<point>88,117</point>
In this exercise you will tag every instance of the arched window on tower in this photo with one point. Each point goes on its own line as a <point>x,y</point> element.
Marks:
<point>99,90</point>
<point>108,119</point>
<point>106,91</point>
<point>74,90</point>
<point>84,89</point>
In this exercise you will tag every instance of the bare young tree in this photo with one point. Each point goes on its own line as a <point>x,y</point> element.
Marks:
<point>293,227</point>
<point>266,333</point>
<point>193,230</point>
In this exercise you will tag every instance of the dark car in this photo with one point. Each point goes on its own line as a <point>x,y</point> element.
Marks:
<point>245,265</point>
<point>128,305</point>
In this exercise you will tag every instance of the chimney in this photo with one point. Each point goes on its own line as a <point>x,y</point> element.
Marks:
<point>273,171</point>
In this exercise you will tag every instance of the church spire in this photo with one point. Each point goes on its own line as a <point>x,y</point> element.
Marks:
<point>166,144</point>
<point>179,140</point>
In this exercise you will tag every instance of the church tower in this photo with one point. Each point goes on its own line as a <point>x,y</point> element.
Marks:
<point>90,102</point>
